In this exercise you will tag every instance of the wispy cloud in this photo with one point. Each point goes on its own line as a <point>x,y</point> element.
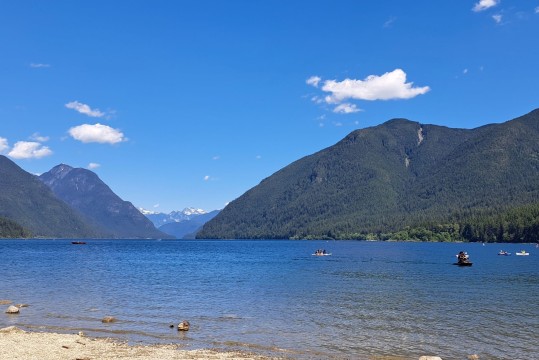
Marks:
<point>313,80</point>
<point>3,145</point>
<point>93,165</point>
<point>29,150</point>
<point>346,108</point>
<point>497,18</point>
<point>39,65</point>
<point>465,71</point>
<point>98,133</point>
<point>39,138</point>
<point>216,157</point>
<point>207,178</point>
<point>485,4</point>
<point>537,10</point>
<point>390,22</point>
<point>84,109</point>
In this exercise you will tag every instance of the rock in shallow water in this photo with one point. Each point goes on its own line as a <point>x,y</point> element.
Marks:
<point>12,310</point>
<point>183,326</point>
<point>108,319</point>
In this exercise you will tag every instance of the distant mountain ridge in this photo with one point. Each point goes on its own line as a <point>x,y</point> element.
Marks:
<point>90,196</point>
<point>159,218</point>
<point>390,177</point>
<point>27,202</point>
<point>187,229</point>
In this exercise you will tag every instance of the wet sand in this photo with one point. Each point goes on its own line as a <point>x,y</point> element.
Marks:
<point>16,343</point>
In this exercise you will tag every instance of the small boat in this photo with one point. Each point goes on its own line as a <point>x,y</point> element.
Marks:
<point>467,263</point>
<point>78,242</point>
<point>504,253</point>
<point>522,253</point>
<point>326,254</point>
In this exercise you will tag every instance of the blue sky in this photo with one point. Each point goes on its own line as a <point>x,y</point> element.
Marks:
<point>191,103</point>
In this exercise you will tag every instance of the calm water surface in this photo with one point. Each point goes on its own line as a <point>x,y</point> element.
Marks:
<point>367,299</point>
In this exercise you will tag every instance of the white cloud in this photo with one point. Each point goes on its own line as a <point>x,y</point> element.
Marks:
<point>497,18</point>
<point>484,4</point>
<point>99,133</point>
<point>258,157</point>
<point>465,71</point>
<point>346,108</point>
<point>313,80</point>
<point>39,138</point>
<point>537,10</point>
<point>38,65</point>
<point>93,165</point>
<point>156,206</point>
<point>3,145</point>
<point>84,109</point>
<point>29,150</point>
<point>391,85</point>
<point>390,22</point>
<point>206,178</point>
<point>216,157</point>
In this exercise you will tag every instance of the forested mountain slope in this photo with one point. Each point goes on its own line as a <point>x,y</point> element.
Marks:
<point>388,177</point>
<point>31,204</point>
<point>84,191</point>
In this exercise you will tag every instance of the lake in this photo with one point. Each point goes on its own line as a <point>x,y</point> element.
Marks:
<point>367,299</point>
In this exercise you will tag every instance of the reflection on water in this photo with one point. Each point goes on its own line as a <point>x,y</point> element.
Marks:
<point>368,299</point>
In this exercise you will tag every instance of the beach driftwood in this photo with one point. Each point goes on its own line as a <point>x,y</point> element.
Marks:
<point>183,326</point>
<point>12,310</point>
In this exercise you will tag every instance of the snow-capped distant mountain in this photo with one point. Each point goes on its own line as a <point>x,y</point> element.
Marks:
<point>160,219</point>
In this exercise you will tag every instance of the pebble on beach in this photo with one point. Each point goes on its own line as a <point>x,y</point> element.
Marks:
<point>12,310</point>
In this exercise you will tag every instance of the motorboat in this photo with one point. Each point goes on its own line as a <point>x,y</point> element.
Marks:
<point>78,242</point>
<point>522,253</point>
<point>504,253</point>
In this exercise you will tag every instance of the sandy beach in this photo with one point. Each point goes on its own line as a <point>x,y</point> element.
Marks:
<point>16,343</point>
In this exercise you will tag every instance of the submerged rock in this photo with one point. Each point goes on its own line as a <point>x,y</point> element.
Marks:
<point>5,302</point>
<point>183,326</point>
<point>12,310</point>
<point>108,319</point>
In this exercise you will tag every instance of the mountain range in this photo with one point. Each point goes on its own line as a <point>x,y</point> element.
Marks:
<point>85,192</point>
<point>188,228</point>
<point>28,202</point>
<point>392,177</point>
<point>66,202</point>
<point>160,218</point>
<point>181,224</point>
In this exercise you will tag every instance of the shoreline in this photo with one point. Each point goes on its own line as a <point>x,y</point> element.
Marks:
<point>16,343</point>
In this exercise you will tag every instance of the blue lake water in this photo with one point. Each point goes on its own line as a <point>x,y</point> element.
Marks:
<point>367,299</point>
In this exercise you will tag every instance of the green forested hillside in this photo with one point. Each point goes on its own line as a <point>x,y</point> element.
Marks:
<point>31,204</point>
<point>10,229</point>
<point>391,179</point>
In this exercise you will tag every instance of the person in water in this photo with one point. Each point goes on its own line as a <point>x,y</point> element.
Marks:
<point>462,257</point>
